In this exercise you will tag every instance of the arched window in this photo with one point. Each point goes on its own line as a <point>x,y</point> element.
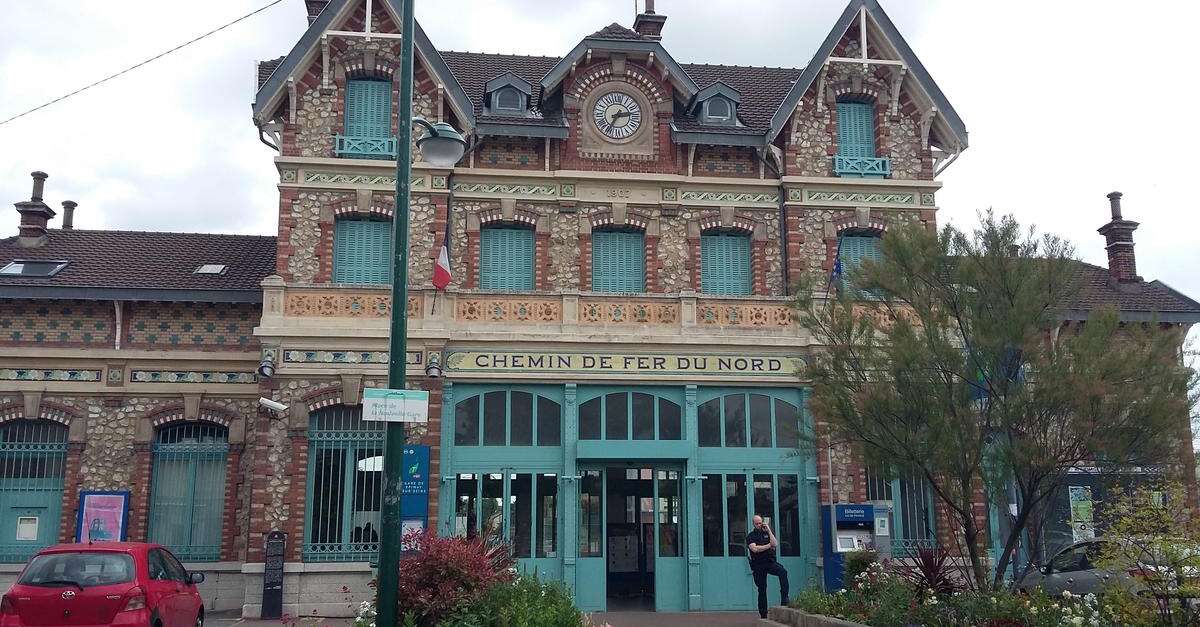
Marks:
<point>507,418</point>
<point>718,110</point>
<point>619,261</point>
<point>743,419</point>
<point>725,264</point>
<point>345,486</point>
<point>362,251</point>
<point>508,99</point>
<point>630,416</point>
<point>506,258</point>
<point>32,456</point>
<point>187,493</point>
<point>368,129</point>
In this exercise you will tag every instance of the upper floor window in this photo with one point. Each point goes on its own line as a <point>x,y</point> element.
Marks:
<point>856,142</point>
<point>506,258</point>
<point>368,129</point>
<point>619,261</point>
<point>725,264</point>
<point>362,251</point>
<point>508,99</point>
<point>852,250</point>
<point>507,94</point>
<point>718,110</point>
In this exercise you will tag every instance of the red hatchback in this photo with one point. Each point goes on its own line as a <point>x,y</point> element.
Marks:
<point>109,583</point>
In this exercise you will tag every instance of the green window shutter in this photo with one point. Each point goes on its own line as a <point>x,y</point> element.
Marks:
<point>856,129</point>
<point>362,251</point>
<point>853,250</point>
<point>725,264</point>
<point>187,493</point>
<point>618,262</point>
<point>368,108</point>
<point>506,259</point>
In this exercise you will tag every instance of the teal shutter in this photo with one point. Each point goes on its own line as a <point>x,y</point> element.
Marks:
<point>187,493</point>
<point>853,250</point>
<point>506,259</point>
<point>368,108</point>
<point>362,251</point>
<point>618,262</point>
<point>725,264</point>
<point>856,129</point>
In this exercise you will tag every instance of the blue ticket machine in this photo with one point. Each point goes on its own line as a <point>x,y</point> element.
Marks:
<point>852,527</point>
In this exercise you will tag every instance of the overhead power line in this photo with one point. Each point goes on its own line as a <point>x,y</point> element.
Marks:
<point>138,65</point>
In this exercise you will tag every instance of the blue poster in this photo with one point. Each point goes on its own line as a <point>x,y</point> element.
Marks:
<point>414,489</point>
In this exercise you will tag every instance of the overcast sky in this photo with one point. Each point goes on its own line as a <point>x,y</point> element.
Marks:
<point>1064,101</point>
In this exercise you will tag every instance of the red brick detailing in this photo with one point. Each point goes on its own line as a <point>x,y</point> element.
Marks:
<point>795,240</point>
<point>324,252</point>
<point>70,494</point>
<point>653,264</point>
<point>693,244</point>
<point>758,266</point>
<point>433,439</point>
<point>725,161</point>
<point>585,262</point>
<point>232,540</point>
<point>470,269</point>
<point>438,225</point>
<point>541,261</point>
<point>139,496</point>
<point>297,475</point>
<point>512,153</point>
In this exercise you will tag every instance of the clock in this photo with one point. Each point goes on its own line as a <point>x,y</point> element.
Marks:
<point>617,115</point>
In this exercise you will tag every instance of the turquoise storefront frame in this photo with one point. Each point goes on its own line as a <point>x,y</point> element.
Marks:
<point>705,583</point>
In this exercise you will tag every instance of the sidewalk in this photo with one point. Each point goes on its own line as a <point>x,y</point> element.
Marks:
<point>229,619</point>
<point>616,619</point>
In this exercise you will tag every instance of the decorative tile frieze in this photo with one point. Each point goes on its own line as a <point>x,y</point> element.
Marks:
<point>795,194</point>
<point>412,358</point>
<point>927,200</point>
<point>743,314</point>
<point>568,190</point>
<point>49,374</point>
<point>516,189</point>
<point>508,310</point>
<point>872,198</point>
<point>191,376</point>
<point>341,305</point>
<point>670,194</point>
<point>287,176</point>
<point>345,178</point>
<point>608,311</point>
<point>728,197</point>
<point>438,182</point>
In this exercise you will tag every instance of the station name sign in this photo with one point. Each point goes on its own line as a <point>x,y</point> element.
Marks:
<point>619,363</point>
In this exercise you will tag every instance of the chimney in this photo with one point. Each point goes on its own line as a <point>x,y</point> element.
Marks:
<point>68,222</point>
<point>648,23</point>
<point>1118,238</point>
<point>314,9</point>
<point>35,215</point>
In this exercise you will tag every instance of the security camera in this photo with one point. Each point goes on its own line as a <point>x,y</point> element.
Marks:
<point>272,405</point>
<point>266,368</point>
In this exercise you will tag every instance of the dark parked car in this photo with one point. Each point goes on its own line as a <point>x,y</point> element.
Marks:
<point>108,583</point>
<point>1074,569</point>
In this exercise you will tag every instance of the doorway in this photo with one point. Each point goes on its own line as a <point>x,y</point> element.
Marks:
<point>643,520</point>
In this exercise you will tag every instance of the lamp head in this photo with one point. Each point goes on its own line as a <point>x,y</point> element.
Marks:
<point>442,146</point>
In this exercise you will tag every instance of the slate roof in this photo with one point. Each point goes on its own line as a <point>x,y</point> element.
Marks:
<point>266,68</point>
<point>1097,288</point>
<point>474,69</point>
<point>762,90</point>
<point>145,261</point>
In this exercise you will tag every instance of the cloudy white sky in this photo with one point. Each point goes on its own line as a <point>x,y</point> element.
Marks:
<point>1064,101</point>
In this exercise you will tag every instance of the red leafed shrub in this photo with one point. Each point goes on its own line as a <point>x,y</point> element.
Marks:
<point>444,573</point>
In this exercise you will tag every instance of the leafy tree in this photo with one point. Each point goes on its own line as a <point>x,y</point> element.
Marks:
<point>950,358</point>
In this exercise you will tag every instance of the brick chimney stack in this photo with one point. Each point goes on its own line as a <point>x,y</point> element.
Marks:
<point>35,215</point>
<point>68,222</point>
<point>314,8</point>
<point>1118,237</point>
<point>648,23</point>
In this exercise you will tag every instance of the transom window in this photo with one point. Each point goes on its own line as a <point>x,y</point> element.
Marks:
<point>187,493</point>
<point>507,418</point>
<point>362,251</point>
<point>619,261</point>
<point>345,485</point>
<point>32,459</point>
<point>506,258</point>
<point>630,416</point>
<point>729,501</point>
<point>741,419</point>
<point>725,264</point>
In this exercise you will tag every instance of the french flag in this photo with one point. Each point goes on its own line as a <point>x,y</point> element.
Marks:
<point>441,270</point>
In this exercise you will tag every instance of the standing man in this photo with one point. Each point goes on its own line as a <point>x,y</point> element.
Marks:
<point>762,544</point>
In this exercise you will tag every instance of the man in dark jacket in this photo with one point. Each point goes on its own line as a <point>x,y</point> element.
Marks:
<point>762,544</point>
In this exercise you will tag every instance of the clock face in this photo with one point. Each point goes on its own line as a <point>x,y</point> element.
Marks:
<point>617,115</point>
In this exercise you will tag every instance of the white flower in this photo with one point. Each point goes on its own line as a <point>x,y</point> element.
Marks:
<point>1077,621</point>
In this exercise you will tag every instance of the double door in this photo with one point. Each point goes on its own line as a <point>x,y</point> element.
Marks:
<point>631,538</point>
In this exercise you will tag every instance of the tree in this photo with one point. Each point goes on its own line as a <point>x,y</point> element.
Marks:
<point>950,358</point>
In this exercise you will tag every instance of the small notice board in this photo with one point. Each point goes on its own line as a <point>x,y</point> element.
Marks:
<point>384,405</point>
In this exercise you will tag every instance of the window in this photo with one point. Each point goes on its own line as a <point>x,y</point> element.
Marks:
<point>630,415</point>
<point>618,261</point>
<point>368,128</point>
<point>345,486</point>
<point>508,99</point>
<point>912,507</point>
<point>187,492</point>
<point>507,418</point>
<point>856,129</point>
<point>756,420</point>
<point>362,251</point>
<point>506,259</point>
<point>718,110</point>
<point>86,568</point>
<point>23,267</point>
<point>212,268</point>
<point>852,250</point>
<point>32,457</point>
<point>591,512</point>
<point>726,503</point>
<point>725,264</point>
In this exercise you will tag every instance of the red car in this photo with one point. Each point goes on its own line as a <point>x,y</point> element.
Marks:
<point>108,583</point>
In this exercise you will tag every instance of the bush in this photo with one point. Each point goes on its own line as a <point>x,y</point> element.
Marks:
<point>930,570</point>
<point>446,573</point>
<point>857,562</point>
<point>525,602</point>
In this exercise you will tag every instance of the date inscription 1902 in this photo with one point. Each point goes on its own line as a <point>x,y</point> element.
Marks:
<point>617,192</point>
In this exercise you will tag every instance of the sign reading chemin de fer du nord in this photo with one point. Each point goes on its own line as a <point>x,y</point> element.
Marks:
<point>621,363</point>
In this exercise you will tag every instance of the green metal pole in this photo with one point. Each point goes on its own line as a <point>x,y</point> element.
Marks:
<point>390,534</point>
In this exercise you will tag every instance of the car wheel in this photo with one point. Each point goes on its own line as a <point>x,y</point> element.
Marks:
<point>200,619</point>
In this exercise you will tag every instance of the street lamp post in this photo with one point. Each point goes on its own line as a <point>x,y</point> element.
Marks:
<point>441,146</point>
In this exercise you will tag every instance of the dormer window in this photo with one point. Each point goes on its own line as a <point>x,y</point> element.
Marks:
<point>718,110</point>
<point>507,94</point>
<point>508,99</point>
<point>716,105</point>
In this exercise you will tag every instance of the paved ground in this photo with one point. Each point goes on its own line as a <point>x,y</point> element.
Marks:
<point>615,619</point>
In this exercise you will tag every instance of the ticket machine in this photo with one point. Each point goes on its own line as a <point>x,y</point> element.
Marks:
<point>853,529</point>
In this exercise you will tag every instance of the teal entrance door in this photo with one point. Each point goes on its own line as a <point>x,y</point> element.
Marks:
<point>32,456</point>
